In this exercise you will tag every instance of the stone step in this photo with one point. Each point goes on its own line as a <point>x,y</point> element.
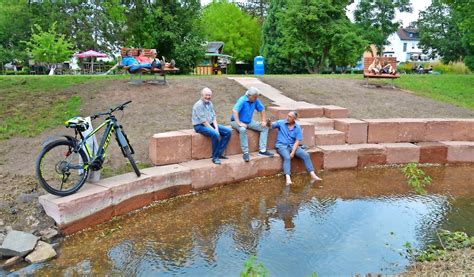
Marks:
<point>329,137</point>
<point>320,123</point>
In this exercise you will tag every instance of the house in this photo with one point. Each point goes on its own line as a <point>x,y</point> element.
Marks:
<point>404,46</point>
<point>214,62</point>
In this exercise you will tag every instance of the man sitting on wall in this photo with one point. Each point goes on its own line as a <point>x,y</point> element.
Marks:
<point>288,145</point>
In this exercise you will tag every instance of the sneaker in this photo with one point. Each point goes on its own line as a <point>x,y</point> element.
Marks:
<point>223,157</point>
<point>266,154</point>
<point>216,161</point>
<point>246,157</point>
<point>172,63</point>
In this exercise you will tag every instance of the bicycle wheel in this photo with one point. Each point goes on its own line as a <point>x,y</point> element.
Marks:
<point>60,170</point>
<point>128,154</point>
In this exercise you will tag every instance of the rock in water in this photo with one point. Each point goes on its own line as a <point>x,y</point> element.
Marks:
<point>42,252</point>
<point>18,243</point>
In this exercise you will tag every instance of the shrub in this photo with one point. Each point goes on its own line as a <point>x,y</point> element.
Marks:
<point>469,61</point>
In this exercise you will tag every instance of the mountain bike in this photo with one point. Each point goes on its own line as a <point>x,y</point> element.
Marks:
<point>63,164</point>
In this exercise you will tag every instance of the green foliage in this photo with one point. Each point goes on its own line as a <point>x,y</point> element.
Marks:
<point>48,46</point>
<point>469,61</point>
<point>416,178</point>
<point>451,68</point>
<point>241,34</point>
<point>172,27</point>
<point>448,241</point>
<point>252,269</point>
<point>309,35</point>
<point>376,18</point>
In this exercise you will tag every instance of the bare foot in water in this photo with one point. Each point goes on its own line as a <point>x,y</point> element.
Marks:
<point>288,180</point>
<point>314,177</point>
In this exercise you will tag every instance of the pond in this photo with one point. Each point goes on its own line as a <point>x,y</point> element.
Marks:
<point>352,222</point>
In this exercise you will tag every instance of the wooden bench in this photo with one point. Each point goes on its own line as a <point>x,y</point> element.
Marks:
<point>391,60</point>
<point>149,53</point>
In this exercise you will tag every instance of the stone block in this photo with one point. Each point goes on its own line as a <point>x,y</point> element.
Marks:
<point>320,123</point>
<point>460,151</point>
<point>308,133</point>
<point>307,110</point>
<point>329,137</point>
<point>382,130</point>
<point>234,144</point>
<point>271,140</point>
<point>278,112</point>
<point>128,186</point>
<point>170,147</point>
<point>317,157</point>
<point>339,156</point>
<point>355,130</point>
<point>90,199</point>
<point>411,130</point>
<point>438,129</point>
<point>464,130</point>
<point>433,152</point>
<point>206,175</point>
<point>370,154</point>
<point>201,145</point>
<point>401,153</point>
<point>332,111</point>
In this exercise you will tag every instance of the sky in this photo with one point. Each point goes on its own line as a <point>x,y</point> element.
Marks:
<point>406,18</point>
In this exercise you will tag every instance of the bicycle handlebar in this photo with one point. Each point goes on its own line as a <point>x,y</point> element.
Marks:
<point>111,110</point>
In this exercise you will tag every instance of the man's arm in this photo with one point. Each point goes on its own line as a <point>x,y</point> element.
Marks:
<point>237,120</point>
<point>215,124</point>
<point>295,147</point>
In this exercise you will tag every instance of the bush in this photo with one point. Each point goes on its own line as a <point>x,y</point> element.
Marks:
<point>469,62</point>
<point>451,68</point>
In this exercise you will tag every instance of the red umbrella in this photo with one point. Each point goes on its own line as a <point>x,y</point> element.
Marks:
<point>92,54</point>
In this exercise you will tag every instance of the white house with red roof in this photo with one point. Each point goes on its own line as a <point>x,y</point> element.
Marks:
<point>404,46</point>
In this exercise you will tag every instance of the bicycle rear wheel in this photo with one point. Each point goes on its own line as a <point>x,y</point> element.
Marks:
<point>128,154</point>
<point>60,170</point>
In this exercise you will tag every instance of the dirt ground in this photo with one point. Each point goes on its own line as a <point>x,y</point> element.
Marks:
<point>157,108</point>
<point>363,102</point>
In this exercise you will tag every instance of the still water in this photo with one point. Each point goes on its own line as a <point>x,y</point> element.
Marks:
<point>353,222</point>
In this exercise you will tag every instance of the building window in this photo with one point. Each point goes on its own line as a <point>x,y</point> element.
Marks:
<point>413,45</point>
<point>404,47</point>
<point>410,35</point>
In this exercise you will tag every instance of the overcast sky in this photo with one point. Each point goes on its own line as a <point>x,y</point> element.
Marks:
<point>418,5</point>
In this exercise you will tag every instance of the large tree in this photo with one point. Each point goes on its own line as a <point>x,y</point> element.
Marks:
<point>377,18</point>
<point>241,34</point>
<point>311,32</point>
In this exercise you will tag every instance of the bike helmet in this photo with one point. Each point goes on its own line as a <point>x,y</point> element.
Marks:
<point>77,122</point>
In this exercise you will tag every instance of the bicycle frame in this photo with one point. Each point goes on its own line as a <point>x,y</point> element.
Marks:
<point>111,126</point>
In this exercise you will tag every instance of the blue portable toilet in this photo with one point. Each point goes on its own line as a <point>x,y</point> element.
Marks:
<point>259,65</point>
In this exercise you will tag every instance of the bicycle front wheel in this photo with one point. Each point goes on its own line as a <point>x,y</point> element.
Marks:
<point>60,170</point>
<point>128,154</point>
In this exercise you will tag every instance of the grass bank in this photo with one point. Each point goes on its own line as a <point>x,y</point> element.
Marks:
<point>450,88</point>
<point>31,104</point>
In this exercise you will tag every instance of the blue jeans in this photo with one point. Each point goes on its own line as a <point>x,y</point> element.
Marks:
<point>135,67</point>
<point>285,151</point>
<point>244,141</point>
<point>219,139</point>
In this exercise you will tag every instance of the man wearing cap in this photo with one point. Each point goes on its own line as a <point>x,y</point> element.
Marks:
<point>288,145</point>
<point>241,120</point>
<point>205,122</point>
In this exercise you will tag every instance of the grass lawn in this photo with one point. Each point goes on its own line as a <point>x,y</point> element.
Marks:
<point>450,88</point>
<point>31,104</point>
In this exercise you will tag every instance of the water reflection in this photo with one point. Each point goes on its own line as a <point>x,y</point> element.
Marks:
<point>353,222</point>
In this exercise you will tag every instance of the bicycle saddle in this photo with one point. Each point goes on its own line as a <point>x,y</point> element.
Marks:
<point>77,122</point>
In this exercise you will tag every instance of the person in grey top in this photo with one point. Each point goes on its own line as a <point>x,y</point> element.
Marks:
<point>205,122</point>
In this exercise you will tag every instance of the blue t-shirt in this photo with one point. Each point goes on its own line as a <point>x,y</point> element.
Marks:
<point>245,109</point>
<point>287,137</point>
<point>129,60</point>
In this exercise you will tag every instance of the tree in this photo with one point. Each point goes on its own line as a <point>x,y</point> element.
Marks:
<point>376,17</point>
<point>49,47</point>
<point>241,34</point>
<point>171,26</point>
<point>255,8</point>
<point>275,60</point>
<point>446,28</point>
<point>347,46</point>
<point>309,30</point>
